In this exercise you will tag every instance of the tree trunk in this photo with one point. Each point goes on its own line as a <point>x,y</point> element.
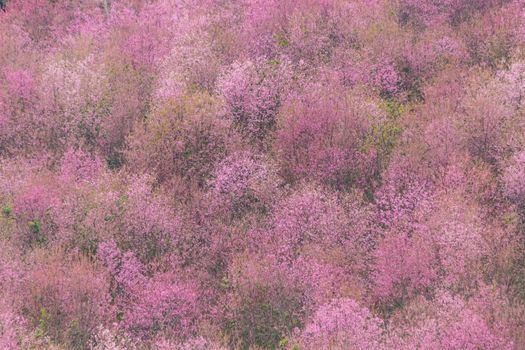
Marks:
<point>106,7</point>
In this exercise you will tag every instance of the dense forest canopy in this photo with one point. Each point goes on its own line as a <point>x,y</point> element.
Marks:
<point>262,174</point>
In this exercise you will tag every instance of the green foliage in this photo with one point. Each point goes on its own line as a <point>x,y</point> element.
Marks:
<point>284,344</point>
<point>41,329</point>
<point>281,40</point>
<point>35,227</point>
<point>383,136</point>
<point>6,211</point>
